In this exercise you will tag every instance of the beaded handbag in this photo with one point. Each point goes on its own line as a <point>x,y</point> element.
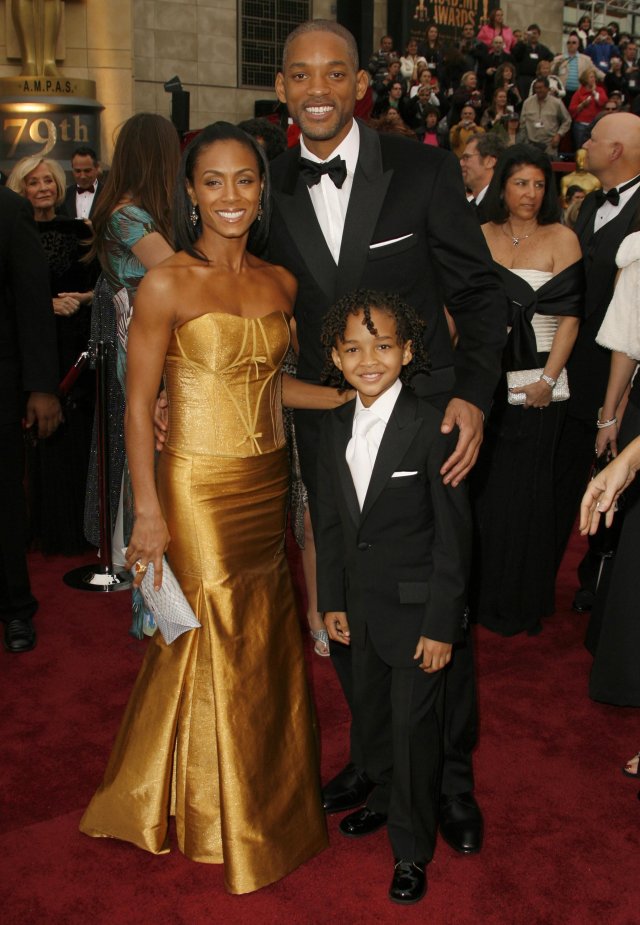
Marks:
<point>520,377</point>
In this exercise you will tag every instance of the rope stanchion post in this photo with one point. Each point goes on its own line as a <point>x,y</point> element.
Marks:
<point>101,577</point>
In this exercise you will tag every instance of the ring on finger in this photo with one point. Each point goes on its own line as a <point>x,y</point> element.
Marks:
<point>139,567</point>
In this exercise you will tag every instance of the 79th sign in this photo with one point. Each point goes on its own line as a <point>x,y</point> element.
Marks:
<point>47,133</point>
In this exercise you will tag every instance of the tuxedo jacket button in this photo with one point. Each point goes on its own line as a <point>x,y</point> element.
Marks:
<point>363,546</point>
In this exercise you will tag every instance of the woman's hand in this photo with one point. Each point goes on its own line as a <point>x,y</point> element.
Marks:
<point>66,304</point>
<point>149,541</point>
<point>607,440</point>
<point>538,394</point>
<point>602,492</point>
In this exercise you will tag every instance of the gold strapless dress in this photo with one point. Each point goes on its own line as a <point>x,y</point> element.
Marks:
<point>218,730</point>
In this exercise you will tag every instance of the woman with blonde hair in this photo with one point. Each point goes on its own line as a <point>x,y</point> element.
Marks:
<point>57,467</point>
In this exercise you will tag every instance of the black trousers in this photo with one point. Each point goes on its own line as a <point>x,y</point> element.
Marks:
<point>398,714</point>
<point>16,599</point>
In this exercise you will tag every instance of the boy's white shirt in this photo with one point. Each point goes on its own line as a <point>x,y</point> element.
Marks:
<point>383,409</point>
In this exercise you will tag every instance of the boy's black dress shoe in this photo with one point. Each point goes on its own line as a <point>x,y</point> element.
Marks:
<point>461,823</point>
<point>409,882</point>
<point>19,635</point>
<point>363,822</point>
<point>349,789</point>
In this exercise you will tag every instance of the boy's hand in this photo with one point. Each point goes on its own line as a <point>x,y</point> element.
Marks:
<point>435,655</point>
<point>161,420</point>
<point>337,626</point>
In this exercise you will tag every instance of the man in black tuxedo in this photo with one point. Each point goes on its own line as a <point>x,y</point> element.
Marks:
<point>605,218</point>
<point>382,212</point>
<point>81,196</point>
<point>28,366</point>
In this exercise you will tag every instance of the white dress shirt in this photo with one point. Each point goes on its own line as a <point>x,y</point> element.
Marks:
<point>84,201</point>
<point>330,203</point>
<point>382,408</point>
<point>608,211</point>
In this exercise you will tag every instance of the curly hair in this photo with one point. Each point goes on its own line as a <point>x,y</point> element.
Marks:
<point>409,326</point>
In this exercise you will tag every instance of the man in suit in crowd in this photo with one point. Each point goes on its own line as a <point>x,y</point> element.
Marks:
<point>360,210</point>
<point>28,367</point>
<point>477,163</point>
<point>605,218</point>
<point>81,196</point>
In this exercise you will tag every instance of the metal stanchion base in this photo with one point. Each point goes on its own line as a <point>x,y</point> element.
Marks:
<point>97,578</point>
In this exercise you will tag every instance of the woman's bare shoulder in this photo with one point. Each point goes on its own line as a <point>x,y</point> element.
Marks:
<point>566,246</point>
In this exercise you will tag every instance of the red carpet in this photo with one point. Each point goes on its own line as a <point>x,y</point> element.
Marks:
<point>562,823</point>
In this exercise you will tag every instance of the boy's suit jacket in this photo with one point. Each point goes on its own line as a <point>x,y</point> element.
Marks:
<point>399,567</point>
<point>588,365</point>
<point>408,229</point>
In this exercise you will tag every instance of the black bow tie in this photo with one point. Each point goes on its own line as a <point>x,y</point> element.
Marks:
<point>80,191</point>
<point>613,195</point>
<point>311,171</point>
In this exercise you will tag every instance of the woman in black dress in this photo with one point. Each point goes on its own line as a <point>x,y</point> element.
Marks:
<point>57,467</point>
<point>540,262</point>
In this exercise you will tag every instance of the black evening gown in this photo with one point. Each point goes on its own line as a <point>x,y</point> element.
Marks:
<point>57,467</point>
<point>513,574</point>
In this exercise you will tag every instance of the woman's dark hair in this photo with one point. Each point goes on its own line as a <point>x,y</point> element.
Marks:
<point>409,326</point>
<point>143,169</point>
<point>492,16</point>
<point>499,75</point>
<point>521,156</point>
<point>186,233</point>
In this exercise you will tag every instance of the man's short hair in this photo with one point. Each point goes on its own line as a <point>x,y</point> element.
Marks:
<point>534,25</point>
<point>85,151</point>
<point>490,145</point>
<point>541,80</point>
<point>322,25</point>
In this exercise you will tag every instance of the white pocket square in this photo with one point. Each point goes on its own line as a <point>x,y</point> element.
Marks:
<point>390,241</point>
<point>400,475</point>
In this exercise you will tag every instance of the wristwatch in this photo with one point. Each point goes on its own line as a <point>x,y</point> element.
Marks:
<point>550,382</point>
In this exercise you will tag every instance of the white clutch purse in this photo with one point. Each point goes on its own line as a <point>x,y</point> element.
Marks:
<point>520,377</point>
<point>170,608</point>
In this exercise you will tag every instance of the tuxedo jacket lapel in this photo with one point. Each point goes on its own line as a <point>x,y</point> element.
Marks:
<point>297,211</point>
<point>344,427</point>
<point>398,436</point>
<point>370,185</point>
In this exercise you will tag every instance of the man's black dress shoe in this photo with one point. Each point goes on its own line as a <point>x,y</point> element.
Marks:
<point>19,636</point>
<point>461,822</point>
<point>363,822</point>
<point>409,882</point>
<point>583,600</point>
<point>349,789</point>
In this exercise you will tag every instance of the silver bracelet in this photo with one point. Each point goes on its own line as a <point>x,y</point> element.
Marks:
<point>551,382</point>
<point>602,424</point>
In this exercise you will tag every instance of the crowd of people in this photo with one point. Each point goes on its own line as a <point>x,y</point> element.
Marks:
<point>455,355</point>
<point>552,96</point>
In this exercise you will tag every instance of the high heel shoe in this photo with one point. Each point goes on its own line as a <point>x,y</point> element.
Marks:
<point>321,642</point>
<point>635,773</point>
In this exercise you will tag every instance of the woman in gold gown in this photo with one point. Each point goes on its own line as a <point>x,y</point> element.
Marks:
<point>218,730</point>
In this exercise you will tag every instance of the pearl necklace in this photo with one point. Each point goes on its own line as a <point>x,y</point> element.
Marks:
<point>523,237</point>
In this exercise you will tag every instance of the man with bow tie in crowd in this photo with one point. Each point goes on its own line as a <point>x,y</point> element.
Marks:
<point>356,210</point>
<point>81,196</point>
<point>605,219</point>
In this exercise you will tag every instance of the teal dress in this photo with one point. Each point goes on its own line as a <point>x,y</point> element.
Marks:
<point>122,273</point>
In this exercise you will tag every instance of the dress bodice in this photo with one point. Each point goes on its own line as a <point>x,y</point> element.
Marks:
<point>544,326</point>
<point>222,375</point>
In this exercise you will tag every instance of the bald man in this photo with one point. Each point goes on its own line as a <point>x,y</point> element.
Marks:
<point>613,156</point>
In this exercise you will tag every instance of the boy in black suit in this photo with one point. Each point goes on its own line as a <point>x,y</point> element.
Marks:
<point>393,547</point>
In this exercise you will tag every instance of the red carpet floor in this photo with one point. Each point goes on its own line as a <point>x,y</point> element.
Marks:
<point>562,823</point>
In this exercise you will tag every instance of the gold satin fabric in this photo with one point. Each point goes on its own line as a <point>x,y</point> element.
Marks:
<point>218,730</point>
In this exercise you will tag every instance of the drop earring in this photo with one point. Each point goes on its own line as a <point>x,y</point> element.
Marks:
<point>194,214</point>
<point>260,210</point>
